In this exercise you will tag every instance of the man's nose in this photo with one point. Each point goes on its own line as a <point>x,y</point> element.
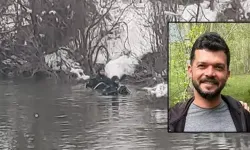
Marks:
<point>210,71</point>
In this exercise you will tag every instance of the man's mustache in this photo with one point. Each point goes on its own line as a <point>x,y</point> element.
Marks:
<point>211,80</point>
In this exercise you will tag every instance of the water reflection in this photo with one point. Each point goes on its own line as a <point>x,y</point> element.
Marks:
<point>210,141</point>
<point>44,115</point>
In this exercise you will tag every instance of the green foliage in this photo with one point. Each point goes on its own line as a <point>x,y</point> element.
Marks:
<point>179,56</point>
<point>178,61</point>
<point>238,86</point>
<point>194,33</point>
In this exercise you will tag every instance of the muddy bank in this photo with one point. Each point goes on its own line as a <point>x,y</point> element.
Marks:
<point>20,63</point>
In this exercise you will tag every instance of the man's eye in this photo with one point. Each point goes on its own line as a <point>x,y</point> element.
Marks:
<point>201,66</point>
<point>219,68</point>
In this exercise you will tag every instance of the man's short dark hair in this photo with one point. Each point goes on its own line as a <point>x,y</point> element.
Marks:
<point>100,68</point>
<point>114,78</point>
<point>213,42</point>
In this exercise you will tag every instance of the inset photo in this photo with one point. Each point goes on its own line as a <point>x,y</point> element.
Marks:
<point>209,77</point>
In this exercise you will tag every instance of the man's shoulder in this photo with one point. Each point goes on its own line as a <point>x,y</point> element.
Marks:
<point>178,109</point>
<point>232,102</point>
<point>181,105</point>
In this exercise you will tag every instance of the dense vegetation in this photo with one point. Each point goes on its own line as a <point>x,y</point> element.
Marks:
<point>29,30</point>
<point>32,29</point>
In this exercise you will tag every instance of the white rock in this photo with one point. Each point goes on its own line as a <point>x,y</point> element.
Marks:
<point>6,61</point>
<point>28,10</point>
<point>246,6</point>
<point>170,13</point>
<point>205,4</point>
<point>205,13</point>
<point>41,35</point>
<point>120,66</point>
<point>160,90</point>
<point>60,61</point>
<point>52,12</point>
<point>43,12</point>
<point>80,74</point>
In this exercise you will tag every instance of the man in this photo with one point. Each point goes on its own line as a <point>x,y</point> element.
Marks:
<point>100,81</point>
<point>116,81</point>
<point>101,76</point>
<point>209,110</point>
<point>112,88</point>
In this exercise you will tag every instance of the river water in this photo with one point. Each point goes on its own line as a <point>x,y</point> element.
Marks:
<point>43,115</point>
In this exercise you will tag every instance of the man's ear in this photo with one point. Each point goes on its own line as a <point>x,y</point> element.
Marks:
<point>189,71</point>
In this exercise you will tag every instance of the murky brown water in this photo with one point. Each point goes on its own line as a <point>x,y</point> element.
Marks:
<point>47,116</point>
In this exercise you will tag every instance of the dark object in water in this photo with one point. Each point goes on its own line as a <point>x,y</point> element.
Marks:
<point>106,89</point>
<point>109,91</point>
<point>123,90</point>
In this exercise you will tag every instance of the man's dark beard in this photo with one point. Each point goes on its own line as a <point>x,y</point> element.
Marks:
<point>208,95</point>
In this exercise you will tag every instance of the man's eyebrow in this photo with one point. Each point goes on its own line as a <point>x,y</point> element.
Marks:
<point>220,64</point>
<point>201,62</point>
<point>216,64</point>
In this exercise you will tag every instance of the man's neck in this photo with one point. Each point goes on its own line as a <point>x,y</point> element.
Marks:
<point>204,103</point>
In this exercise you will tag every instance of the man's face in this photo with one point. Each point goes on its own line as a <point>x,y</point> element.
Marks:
<point>102,72</point>
<point>209,73</point>
<point>117,81</point>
